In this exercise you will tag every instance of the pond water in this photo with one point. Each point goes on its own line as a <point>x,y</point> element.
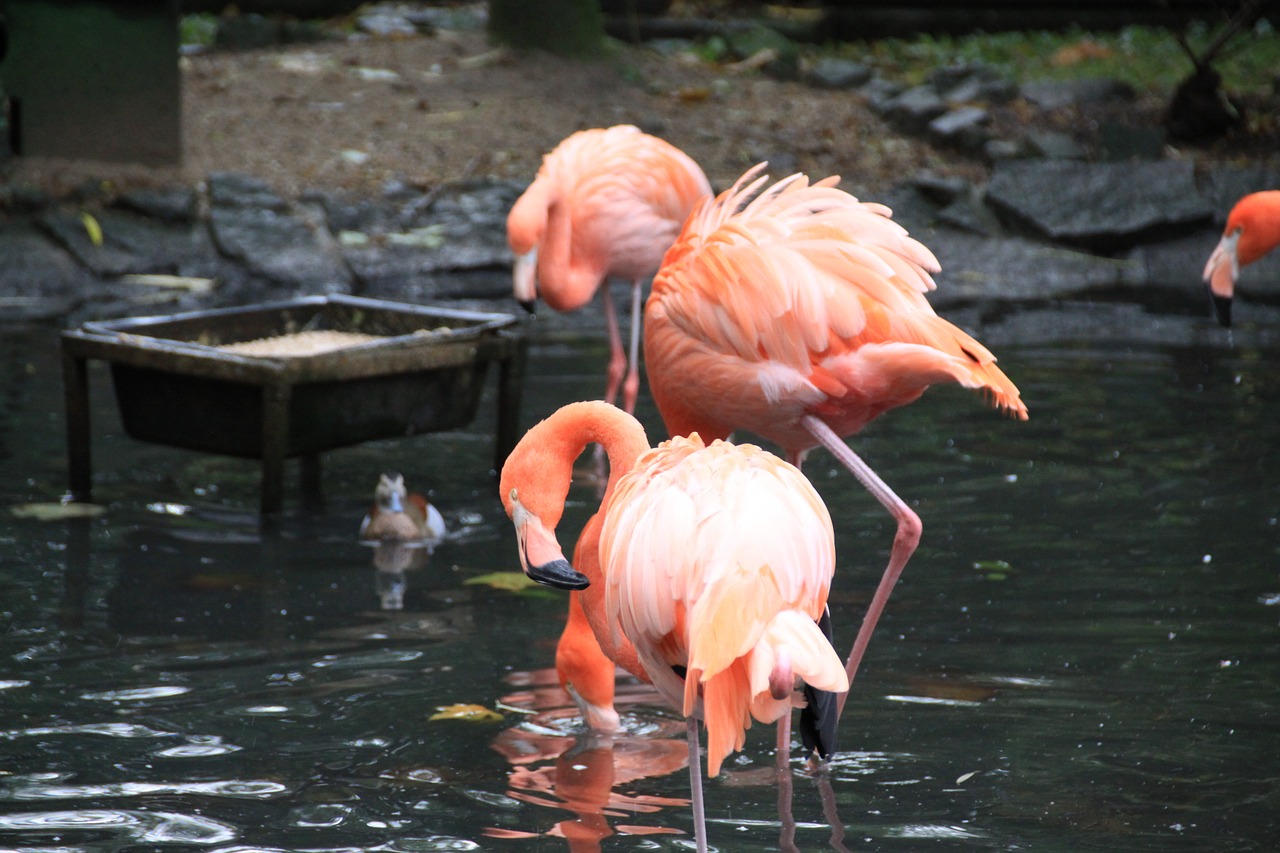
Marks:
<point>1082,655</point>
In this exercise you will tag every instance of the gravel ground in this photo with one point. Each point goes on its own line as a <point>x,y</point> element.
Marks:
<point>355,114</point>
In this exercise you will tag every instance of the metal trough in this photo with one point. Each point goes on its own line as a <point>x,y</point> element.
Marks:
<point>174,384</point>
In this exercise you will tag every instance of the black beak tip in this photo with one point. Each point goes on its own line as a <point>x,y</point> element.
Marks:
<point>559,574</point>
<point>1222,305</point>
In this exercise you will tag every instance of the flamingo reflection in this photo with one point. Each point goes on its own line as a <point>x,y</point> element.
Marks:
<point>557,763</point>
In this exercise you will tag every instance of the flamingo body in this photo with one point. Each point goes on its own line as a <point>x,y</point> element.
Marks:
<point>606,202</point>
<point>798,313</point>
<point>800,300</point>
<point>1252,231</point>
<point>713,564</point>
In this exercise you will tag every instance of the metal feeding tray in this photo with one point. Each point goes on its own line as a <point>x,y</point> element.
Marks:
<point>402,370</point>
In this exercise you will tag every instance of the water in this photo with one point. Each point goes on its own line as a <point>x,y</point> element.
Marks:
<point>1082,655</point>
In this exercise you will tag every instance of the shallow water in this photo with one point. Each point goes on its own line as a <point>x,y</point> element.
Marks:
<point>1083,654</point>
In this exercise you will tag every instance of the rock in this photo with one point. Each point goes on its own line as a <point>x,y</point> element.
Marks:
<point>40,280</point>
<point>230,189</point>
<point>912,110</point>
<point>1118,141</point>
<point>284,249</point>
<point>1225,186</point>
<point>1014,269</point>
<point>1103,206</point>
<point>831,72</point>
<point>1054,145</point>
<point>1055,94</point>
<point>964,128</point>
<point>385,22</point>
<point>939,189</point>
<point>974,82</point>
<point>780,55</point>
<point>132,244</point>
<point>176,205</point>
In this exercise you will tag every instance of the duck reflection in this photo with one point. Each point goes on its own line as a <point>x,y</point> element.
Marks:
<point>403,527</point>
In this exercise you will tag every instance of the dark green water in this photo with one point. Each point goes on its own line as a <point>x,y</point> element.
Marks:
<point>1083,654</point>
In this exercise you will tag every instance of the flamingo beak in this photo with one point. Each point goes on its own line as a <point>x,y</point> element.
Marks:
<point>540,554</point>
<point>524,276</point>
<point>1222,305</point>
<point>1220,273</point>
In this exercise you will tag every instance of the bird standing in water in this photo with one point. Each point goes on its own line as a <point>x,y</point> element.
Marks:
<point>605,203</point>
<point>798,313</point>
<point>1253,230</point>
<point>712,575</point>
<point>400,516</point>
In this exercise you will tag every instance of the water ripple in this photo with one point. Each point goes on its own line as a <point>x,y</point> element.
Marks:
<point>147,827</point>
<point>118,730</point>
<point>235,788</point>
<point>134,694</point>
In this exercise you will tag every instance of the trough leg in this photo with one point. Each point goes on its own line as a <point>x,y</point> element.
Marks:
<point>510,388</point>
<point>275,435</point>
<point>75,386</point>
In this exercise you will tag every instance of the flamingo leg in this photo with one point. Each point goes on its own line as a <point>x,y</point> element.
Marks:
<point>695,786</point>
<point>631,386</point>
<point>782,770</point>
<point>617,357</point>
<point>904,543</point>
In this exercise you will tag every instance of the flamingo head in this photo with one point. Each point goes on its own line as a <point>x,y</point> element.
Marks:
<point>541,557</point>
<point>1220,273</point>
<point>526,227</point>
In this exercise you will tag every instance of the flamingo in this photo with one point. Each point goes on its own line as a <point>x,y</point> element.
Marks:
<point>714,564</point>
<point>797,313</point>
<point>1253,230</point>
<point>605,202</point>
<point>400,516</point>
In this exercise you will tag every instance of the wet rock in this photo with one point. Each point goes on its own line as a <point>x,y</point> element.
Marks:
<point>132,244</point>
<point>880,92</point>
<point>40,280</point>
<point>964,128</point>
<point>1102,206</point>
<point>1124,325</point>
<point>296,252</point>
<point>1118,142</point>
<point>912,110</point>
<point>831,72</point>
<point>231,189</point>
<point>1225,186</point>
<point>777,54</point>
<point>385,21</point>
<point>1014,269</point>
<point>970,83</point>
<point>939,189</point>
<point>967,213</point>
<point>1054,145</point>
<point>1055,94</point>
<point>176,205</point>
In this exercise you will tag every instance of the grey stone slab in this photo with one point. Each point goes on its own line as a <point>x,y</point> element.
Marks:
<point>978,268</point>
<point>282,248</point>
<point>1100,206</point>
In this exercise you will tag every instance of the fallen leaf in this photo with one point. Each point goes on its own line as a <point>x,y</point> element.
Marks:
<point>91,227</point>
<point>57,511</point>
<point>506,581</point>
<point>469,713</point>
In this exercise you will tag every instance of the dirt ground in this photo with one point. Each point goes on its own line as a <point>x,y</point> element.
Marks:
<point>430,109</point>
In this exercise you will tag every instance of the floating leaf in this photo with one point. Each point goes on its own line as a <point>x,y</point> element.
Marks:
<point>469,713</point>
<point>965,777</point>
<point>195,284</point>
<point>506,581</point>
<point>91,227</point>
<point>994,570</point>
<point>57,511</point>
